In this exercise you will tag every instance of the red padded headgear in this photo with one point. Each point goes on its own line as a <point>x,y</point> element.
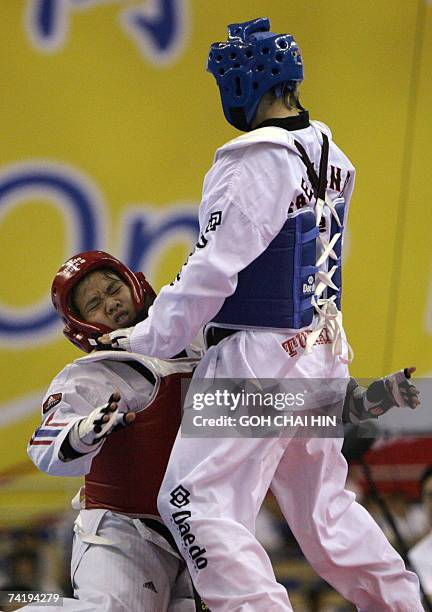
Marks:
<point>76,329</point>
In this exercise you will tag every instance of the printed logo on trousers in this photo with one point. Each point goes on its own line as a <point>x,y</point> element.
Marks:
<point>180,497</point>
<point>196,552</point>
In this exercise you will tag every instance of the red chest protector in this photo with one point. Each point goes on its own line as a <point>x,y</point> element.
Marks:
<point>127,473</point>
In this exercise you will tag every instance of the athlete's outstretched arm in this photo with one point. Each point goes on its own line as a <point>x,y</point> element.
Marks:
<point>72,428</point>
<point>244,207</point>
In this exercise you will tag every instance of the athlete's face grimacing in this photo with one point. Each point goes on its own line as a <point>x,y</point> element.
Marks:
<point>103,297</point>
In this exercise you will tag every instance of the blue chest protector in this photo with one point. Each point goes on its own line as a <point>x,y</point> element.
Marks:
<point>277,288</point>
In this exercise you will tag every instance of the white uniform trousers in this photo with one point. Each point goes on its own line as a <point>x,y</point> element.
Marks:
<point>120,565</point>
<point>214,487</point>
<point>337,535</point>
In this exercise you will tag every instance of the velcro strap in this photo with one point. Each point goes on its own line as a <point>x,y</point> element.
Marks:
<point>306,303</point>
<point>308,270</point>
<point>310,235</point>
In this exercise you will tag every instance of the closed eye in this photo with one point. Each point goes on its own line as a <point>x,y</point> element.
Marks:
<point>114,288</point>
<point>92,305</point>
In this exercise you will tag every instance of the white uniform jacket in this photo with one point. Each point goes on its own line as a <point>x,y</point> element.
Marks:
<point>86,384</point>
<point>256,181</point>
<point>122,559</point>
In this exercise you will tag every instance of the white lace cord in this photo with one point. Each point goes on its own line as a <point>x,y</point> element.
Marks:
<point>328,249</point>
<point>319,207</point>
<point>329,315</point>
<point>324,317</point>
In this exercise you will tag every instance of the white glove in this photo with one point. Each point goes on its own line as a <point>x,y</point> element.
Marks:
<point>118,339</point>
<point>88,433</point>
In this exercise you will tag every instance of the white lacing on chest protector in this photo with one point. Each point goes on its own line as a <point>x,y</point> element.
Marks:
<point>328,314</point>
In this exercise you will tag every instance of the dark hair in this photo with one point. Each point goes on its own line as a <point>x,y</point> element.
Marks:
<point>425,476</point>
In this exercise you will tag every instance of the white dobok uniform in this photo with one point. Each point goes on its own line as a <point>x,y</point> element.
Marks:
<point>420,557</point>
<point>122,557</point>
<point>213,488</point>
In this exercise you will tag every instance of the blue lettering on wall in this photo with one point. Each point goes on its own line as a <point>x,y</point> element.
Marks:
<point>161,29</point>
<point>157,27</point>
<point>45,17</point>
<point>158,33</point>
<point>70,193</point>
<point>145,233</point>
<point>144,239</point>
<point>46,23</point>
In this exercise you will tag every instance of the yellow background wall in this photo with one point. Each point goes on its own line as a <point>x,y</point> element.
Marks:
<point>136,131</point>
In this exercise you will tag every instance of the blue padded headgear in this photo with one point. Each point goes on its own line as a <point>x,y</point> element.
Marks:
<point>252,61</point>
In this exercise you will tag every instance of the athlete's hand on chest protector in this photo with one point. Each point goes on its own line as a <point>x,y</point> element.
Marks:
<point>99,424</point>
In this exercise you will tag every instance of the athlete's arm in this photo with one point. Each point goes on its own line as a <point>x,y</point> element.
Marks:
<point>68,412</point>
<point>244,207</point>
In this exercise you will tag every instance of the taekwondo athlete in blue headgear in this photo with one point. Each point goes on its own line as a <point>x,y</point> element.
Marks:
<point>264,280</point>
<point>252,61</point>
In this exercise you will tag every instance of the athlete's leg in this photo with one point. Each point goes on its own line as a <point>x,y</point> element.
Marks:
<point>337,535</point>
<point>209,499</point>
